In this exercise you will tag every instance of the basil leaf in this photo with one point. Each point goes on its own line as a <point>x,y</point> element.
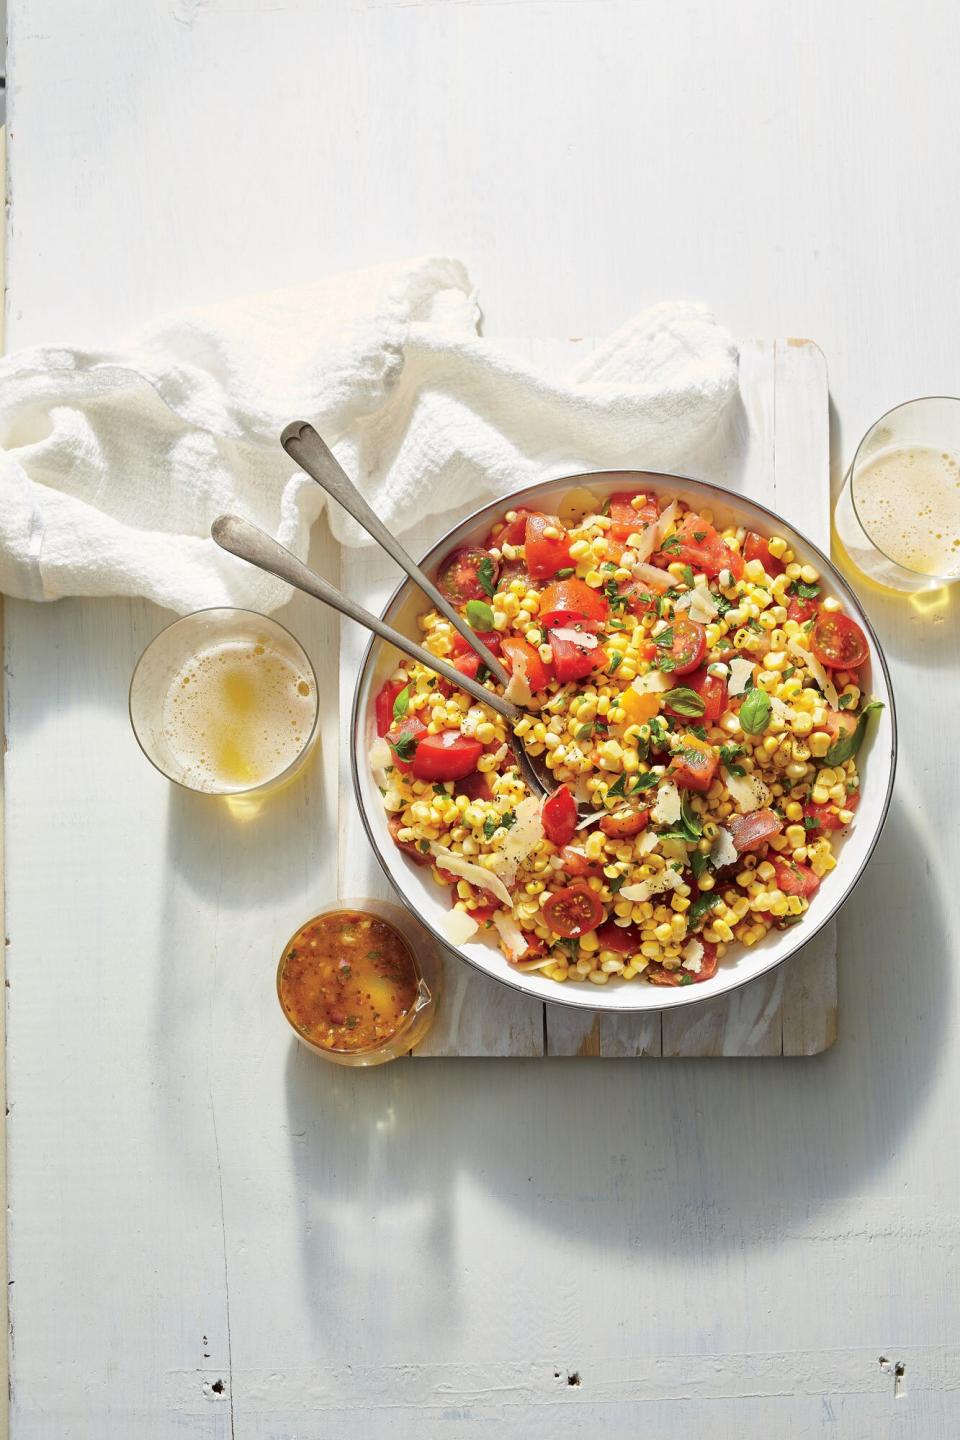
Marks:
<point>618,787</point>
<point>699,536</point>
<point>845,701</point>
<point>643,782</point>
<point>698,910</point>
<point>616,882</point>
<point>486,576</point>
<point>688,576</point>
<point>729,753</point>
<point>671,545</point>
<point>684,701</point>
<point>402,703</point>
<point>664,640</point>
<point>755,711</point>
<point>810,822</point>
<point>479,615</point>
<point>790,670</point>
<point>698,863</point>
<point>616,660</point>
<point>566,572</point>
<point>699,730</point>
<point>804,591</point>
<point>722,604</point>
<point>847,746</point>
<point>585,731</point>
<point>424,847</point>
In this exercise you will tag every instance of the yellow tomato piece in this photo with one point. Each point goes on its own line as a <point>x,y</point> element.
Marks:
<point>639,708</point>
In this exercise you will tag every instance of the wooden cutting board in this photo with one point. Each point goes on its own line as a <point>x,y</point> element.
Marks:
<point>775,448</point>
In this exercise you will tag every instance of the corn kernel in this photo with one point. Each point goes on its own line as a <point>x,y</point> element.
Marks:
<point>820,743</point>
<point>809,575</point>
<point>776,545</point>
<point>794,811</point>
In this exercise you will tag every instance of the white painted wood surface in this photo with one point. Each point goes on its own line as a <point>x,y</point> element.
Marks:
<point>774,447</point>
<point>736,1249</point>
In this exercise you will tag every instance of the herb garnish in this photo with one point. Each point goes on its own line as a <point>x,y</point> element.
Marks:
<point>404,748</point>
<point>684,701</point>
<point>802,590</point>
<point>486,576</point>
<point>402,703</point>
<point>848,745</point>
<point>755,711</point>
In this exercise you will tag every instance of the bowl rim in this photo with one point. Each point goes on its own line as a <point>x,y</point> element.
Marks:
<point>685,994</point>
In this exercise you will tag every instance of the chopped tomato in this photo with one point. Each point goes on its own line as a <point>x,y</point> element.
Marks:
<point>571,661</point>
<point>545,556</point>
<point>695,764</point>
<point>756,548</point>
<point>511,532</point>
<point>459,576</point>
<point>626,519</point>
<point>403,739</point>
<point>569,602</point>
<point>839,642</point>
<point>840,722</point>
<point>513,570</point>
<point>825,817</point>
<point>523,660</point>
<point>622,823</point>
<point>383,705</point>
<point>689,645</point>
<point>624,939</point>
<point>640,598</point>
<point>697,544</point>
<point>573,911</point>
<point>712,690</point>
<point>751,831</point>
<point>447,756</point>
<point>480,913</point>
<point>490,638</point>
<point>476,786</point>
<point>801,610</point>
<point>409,847</point>
<point>657,975</point>
<point>577,862</point>
<point>795,879</point>
<point>559,816</point>
<point>468,664</point>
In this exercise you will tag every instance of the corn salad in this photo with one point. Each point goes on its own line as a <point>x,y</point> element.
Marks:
<point>699,703</point>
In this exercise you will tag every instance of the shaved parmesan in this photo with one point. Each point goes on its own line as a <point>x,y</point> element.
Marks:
<point>652,575</point>
<point>645,843</point>
<point>650,537</point>
<point>576,637</point>
<point>816,670</point>
<point>591,820</point>
<point>475,874</point>
<point>700,603</point>
<point>518,691</point>
<point>723,851</point>
<point>651,683</point>
<point>782,711</point>
<point>459,927</point>
<point>740,672</point>
<point>521,838</point>
<point>748,791</point>
<point>656,885</point>
<point>511,936</point>
<point>666,808</point>
<point>692,957</point>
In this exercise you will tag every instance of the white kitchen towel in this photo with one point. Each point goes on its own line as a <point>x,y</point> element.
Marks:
<point>113,464</point>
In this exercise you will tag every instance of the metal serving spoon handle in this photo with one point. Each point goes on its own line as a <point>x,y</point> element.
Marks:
<point>250,543</point>
<point>312,454</point>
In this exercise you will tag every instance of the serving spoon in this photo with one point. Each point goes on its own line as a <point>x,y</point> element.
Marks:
<point>248,542</point>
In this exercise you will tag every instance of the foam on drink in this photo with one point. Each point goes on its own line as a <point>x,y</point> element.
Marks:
<point>908,502</point>
<point>237,715</point>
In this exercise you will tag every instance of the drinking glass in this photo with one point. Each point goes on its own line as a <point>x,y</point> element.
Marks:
<point>160,669</point>
<point>898,515</point>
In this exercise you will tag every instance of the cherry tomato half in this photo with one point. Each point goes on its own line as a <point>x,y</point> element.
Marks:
<point>572,661</point>
<point>699,545</point>
<point>567,602</point>
<point>559,816</point>
<point>447,756</point>
<point>840,722</point>
<point>622,823</point>
<point>522,660</point>
<point>751,831</point>
<point>577,862</point>
<point>801,610</point>
<point>573,911</point>
<point>409,847</point>
<point>712,690</point>
<point>545,556</point>
<point>824,817</point>
<point>459,576</point>
<point>490,638</point>
<point>689,645</point>
<point>838,641</point>
<point>510,532</point>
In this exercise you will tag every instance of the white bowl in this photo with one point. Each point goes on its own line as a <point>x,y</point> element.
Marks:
<point>429,901</point>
